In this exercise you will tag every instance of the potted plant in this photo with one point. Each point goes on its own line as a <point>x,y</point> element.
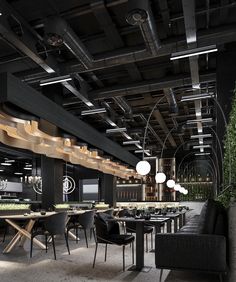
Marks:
<point>61,207</point>
<point>10,209</point>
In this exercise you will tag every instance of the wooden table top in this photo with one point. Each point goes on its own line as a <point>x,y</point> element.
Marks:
<point>31,215</point>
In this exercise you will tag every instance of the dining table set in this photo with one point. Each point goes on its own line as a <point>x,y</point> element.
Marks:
<point>169,222</point>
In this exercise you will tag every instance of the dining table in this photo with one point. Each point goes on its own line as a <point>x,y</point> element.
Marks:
<point>23,231</point>
<point>157,222</point>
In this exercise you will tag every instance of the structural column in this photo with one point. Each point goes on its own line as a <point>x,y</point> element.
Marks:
<point>52,180</point>
<point>108,188</point>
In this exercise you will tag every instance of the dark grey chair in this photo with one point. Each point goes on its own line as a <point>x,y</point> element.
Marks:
<point>83,221</point>
<point>108,233</point>
<point>53,225</point>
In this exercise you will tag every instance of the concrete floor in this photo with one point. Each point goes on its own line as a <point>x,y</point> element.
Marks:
<point>17,266</point>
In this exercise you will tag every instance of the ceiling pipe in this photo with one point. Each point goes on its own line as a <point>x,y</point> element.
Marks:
<point>140,14</point>
<point>170,96</point>
<point>58,32</point>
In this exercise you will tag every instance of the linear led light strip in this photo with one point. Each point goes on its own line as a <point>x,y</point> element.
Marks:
<point>193,52</point>
<point>196,97</point>
<point>117,129</point>
<point>93,111</point>
<point>199,120</point>
<point>55,80</point>
<point>202,154</point>
<point>201,136</point>
<point>141,151</point>
<point>131,142</point>
<point>201,146</point>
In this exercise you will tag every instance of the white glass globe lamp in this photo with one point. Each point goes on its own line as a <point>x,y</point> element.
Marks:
<point>160,177</point>
<point>185,192</point>
<point>177,187</point>
<point>182,189</point>
<point>143,167</point>
<point>170,183</point>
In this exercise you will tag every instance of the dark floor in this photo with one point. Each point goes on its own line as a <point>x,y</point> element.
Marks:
<point>17,266</point>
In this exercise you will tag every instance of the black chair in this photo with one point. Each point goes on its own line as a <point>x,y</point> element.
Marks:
<point>109,212</point>
<point>108,233</point>
<point>83,221</point>
<point>53,225</point>
<point>4,225</point>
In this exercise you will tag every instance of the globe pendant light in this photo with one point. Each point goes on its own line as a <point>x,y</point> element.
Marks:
<point>170,183</point>
<point>185,192</point>
<point>177,187</point>
<point>160,177</point>
<point>143,167</point>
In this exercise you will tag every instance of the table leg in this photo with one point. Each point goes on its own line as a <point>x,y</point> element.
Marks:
<point>21,234</point>
<point>180,220</point>
<point>175,224</point>
<point>184,218</point>
<point>168,226</point>
<point>70,234</point>
<point>28,228</point>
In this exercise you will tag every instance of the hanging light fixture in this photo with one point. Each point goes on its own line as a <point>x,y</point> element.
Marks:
<point>160,177</point>
<point>170,183</point>
<point>143,167</point>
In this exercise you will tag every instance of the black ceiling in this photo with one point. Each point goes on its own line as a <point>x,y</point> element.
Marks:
<point>113,67</point>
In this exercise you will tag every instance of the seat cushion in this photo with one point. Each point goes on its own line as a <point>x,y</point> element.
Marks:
<point>121,239</point>
<point>147,229</point>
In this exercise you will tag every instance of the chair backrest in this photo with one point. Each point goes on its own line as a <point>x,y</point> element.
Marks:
<point>104,228</point>
<point>56,223</point>
<point>86,220</point>
<point>109,211</point>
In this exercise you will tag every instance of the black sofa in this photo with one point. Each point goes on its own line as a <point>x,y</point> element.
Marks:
<point>200,245</point>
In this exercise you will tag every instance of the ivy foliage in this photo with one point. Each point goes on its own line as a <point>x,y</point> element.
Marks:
<point>230,158</point>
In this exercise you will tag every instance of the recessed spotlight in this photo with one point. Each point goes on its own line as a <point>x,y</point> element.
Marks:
<point>18,173</point>
<point>6,164</point>
<point>27,168</point>
<point>1,170</point>
<point>9,161</point>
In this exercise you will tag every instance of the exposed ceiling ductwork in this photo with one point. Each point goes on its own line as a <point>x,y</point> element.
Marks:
<point>58,32</point>
<point>170,96</point>
<point>140,13</point>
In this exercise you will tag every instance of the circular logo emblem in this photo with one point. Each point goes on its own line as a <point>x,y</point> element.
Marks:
<point>68,185</point>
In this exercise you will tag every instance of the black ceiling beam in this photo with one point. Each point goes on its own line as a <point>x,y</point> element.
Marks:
<point>16,92</point>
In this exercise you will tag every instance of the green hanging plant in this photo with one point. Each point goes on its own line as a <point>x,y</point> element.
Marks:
<point>229,163</point>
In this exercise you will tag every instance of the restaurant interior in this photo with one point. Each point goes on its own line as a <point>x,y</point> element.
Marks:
<point>117,140</point>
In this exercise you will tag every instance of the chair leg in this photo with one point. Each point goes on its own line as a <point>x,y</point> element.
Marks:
<point>86,239</point>
<point>146,243</point>
<point>77,235</point>
<point>67,243</point>
<point>221,277</point>
<point>94,235</point>
<point>31,246</point>
<point>105,253</point>
<point>95,254</point>
<point>151,241</point>
<point>46,242</point>
<point>5,233</point>
<point>90,234</point>
<point>133,252</point>
<point>123,257</point>
<point>53,244</point>
<point>161,272</point>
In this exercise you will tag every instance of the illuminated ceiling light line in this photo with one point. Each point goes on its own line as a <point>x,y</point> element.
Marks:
<point>201,136</point>
<point>193,52</point>
<point>55,80</point>
<point>93,111</point>
<point>196,97</point>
